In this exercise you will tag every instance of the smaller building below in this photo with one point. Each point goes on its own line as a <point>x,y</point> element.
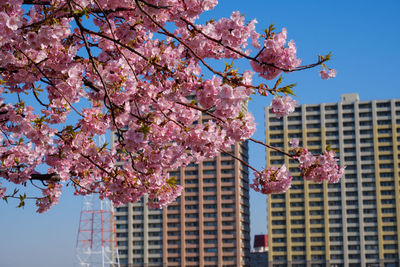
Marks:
<point>259,254</point>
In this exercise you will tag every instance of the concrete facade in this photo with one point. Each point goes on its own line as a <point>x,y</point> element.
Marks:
<point>354,222</point>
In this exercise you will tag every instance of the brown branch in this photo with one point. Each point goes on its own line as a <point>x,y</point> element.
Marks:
<point>49,177</point>
<point>168,118</point>
<point>90,85</point>
<point>271,147</point>
<point>77,184</point>
<point>95,164</point>
<point>121,44</point>
<point>202,110</point>
<point>252,58</point>
<point>241,161</point>
<point>91,59</point>
<point>37,97</point>
<point>36,2</point>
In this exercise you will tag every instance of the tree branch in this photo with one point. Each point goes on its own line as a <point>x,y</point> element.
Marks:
<point>36,2</point>
<point>48,177</point>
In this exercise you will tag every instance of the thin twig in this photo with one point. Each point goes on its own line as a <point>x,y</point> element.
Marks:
<point>271,147</point>
<point>252,58</point>
<point>241,161</point>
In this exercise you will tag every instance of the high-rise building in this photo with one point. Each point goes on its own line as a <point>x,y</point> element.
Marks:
<point>139,235</point>
<point>352,223</point>
<point>207,226</point>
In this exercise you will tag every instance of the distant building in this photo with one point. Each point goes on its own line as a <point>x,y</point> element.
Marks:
<point>208,225</point>
<point>355,222</point>
<point>259,254</point>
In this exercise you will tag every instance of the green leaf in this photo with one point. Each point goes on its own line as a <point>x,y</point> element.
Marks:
<point>22,201</point>
<point>172,181</point>
<point>210,21</point>
<point>278,82</point>
<point>328,56</point>
<point>287,90</point>
<point>269,31</point>
<point>329,148</point>
<point>21,204</point>
<point>228,66</point>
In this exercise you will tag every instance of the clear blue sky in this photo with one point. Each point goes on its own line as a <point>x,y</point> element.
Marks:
<point>364,38</point>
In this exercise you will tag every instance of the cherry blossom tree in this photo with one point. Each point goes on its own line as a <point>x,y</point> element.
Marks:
<point>140,69</point>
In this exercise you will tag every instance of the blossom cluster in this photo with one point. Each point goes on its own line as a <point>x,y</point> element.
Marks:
<point>283,106</point>
<point>138,73</point>
<point>272,180</point>
<point>50,197</point>
<point>318,168</point>
<point>327,74</point>
<point>275,57</point>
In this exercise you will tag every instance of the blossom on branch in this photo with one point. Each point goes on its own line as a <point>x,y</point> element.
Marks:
<point>327,74</point>
<point>2,191</point>
<point>283,106</point>
<point>71,71</point>
<point>272,180</point>
<point>319,168</point>
<point>275,57</point>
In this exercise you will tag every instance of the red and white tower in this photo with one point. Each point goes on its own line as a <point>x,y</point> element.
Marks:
<point>96,243</point>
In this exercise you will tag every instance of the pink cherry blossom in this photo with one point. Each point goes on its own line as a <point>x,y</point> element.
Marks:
<point>272,180</point>
<point>321,167</point>
<point>275,57</point>
<point>294,143</point>
<point>326,75</point>
<point>2,191</point>
<point>74,71</point>
<point>283,106</point>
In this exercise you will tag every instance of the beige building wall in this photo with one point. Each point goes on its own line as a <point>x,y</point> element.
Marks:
<point>354,222</point>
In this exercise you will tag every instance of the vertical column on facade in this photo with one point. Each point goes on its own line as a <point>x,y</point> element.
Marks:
<point>130,233</point>
<point>182,219</point>
<point>343,187</point>
<point>165,232</point>
<point>396,171</point>
<point>244,203</point>
<point>287,195</point>
<point>145,231</point>
<point>359,183</point>
<point>237,205</point>
<point>306,189</point>
<point>201,214</point>
<point>377,180</point>
<point>269,206</point>
<point>219,209</point>
<point>325,188</point>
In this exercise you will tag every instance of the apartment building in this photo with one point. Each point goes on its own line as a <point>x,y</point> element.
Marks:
<point>208,225</point>
<point>352,223</point>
